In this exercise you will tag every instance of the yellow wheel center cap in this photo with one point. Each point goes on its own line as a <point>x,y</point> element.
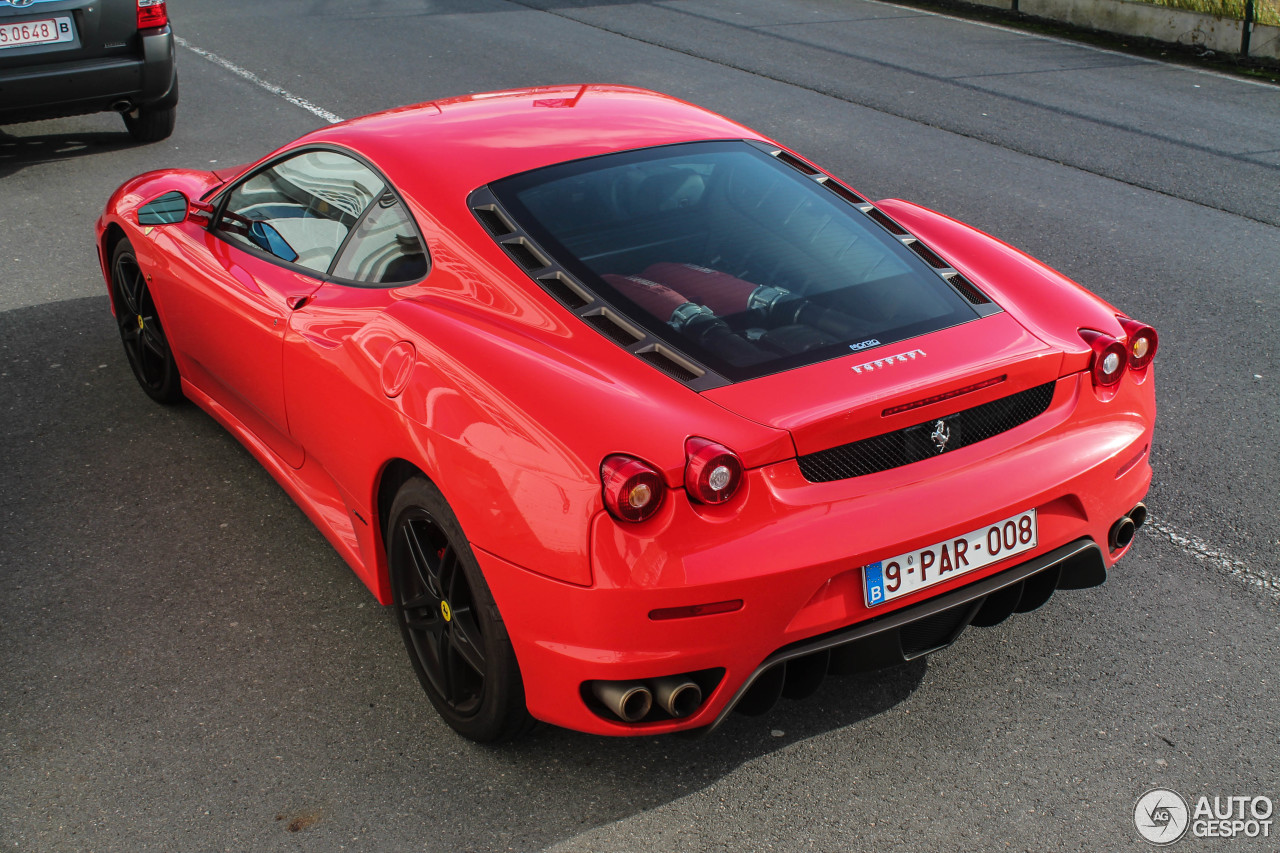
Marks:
<point>141,325</point>
<point>445,611</point>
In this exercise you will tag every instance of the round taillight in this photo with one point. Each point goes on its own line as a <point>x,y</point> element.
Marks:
<point>1110,363</point>
<point>1110,357</point>
<point>1142,342</point>
<point>633,490</point>
<point>712,473</point>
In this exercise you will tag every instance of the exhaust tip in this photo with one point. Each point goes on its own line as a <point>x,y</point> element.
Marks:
<point>1138,515</point>
<point>678,696</point>
<point>630,701</point>
<point>1122,533</point>
<point>122,106</point>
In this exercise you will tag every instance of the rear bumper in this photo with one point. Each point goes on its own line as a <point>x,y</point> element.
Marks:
<point>915,631</point>
<point>793,552</point>
<point>149,79</point>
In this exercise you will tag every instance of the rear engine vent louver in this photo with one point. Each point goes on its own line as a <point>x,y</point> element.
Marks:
<point>915,443</point>
<point>564,290</point>
<point>796,163</point>
<point>493,221</point>
<point>612,327</point>
<point>968,290</point>
<point>891,226</point>
<point>668,364</point>
<point>525,256</point>
<point>930,257</point>
<point>844,192</point>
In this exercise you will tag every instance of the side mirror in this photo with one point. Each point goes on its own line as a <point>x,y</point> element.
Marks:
<point>165,210</point>
<point>173,207</point>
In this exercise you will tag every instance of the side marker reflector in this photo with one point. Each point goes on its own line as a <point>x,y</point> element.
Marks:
<point>663,613</point>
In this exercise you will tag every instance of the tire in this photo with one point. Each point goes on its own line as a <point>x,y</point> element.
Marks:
<point>152,124</point>
<point>145,343</point>
<point>451,627</point>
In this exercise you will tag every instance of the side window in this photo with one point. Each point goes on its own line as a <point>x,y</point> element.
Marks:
<point>385,248</point>
<point>301,209</point>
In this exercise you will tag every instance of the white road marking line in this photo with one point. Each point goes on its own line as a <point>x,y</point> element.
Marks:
<point>332,118</point>
<point>1257,578</point>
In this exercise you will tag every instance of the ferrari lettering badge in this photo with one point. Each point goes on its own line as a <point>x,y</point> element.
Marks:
<point>941,435</point>
<point>881,363</point>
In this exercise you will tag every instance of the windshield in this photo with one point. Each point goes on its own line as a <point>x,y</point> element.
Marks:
<point>729,256</point>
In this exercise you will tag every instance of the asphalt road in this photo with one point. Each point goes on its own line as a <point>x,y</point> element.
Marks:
<point>186,665</point>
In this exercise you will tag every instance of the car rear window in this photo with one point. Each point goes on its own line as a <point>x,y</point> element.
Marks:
<point>734,259</point>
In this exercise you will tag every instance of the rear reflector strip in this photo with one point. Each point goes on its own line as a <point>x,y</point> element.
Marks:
<point>938,398</point>
<point>663,613</point>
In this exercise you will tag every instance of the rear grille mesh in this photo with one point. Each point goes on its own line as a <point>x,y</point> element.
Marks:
<point>895,449</point>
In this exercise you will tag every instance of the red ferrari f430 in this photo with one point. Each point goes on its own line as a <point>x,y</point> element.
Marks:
<point>633,415</point>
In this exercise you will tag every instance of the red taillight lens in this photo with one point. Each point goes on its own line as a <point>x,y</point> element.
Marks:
<point>712,473</point>
<point>1109,358</point>
<point>633,490</point>
<point>1141,342</point>
<point>152,13</point>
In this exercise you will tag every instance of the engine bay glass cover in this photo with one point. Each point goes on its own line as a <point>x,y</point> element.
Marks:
<point>729,256</point>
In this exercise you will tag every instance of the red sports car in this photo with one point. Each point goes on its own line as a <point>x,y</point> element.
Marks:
<point>634,415</point>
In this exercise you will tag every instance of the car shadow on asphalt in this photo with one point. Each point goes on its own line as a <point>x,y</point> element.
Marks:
<point>653,771</point>
<point>26,145</point>
<point>202,581</point>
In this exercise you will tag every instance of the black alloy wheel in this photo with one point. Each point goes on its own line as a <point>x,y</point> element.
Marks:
<point>450,624</point>
<point>144,340</point>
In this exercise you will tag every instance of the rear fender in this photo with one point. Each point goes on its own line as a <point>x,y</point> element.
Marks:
<point>1046,302</point>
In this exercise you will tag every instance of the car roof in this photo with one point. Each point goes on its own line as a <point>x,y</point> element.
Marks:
<point>450,147</point>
